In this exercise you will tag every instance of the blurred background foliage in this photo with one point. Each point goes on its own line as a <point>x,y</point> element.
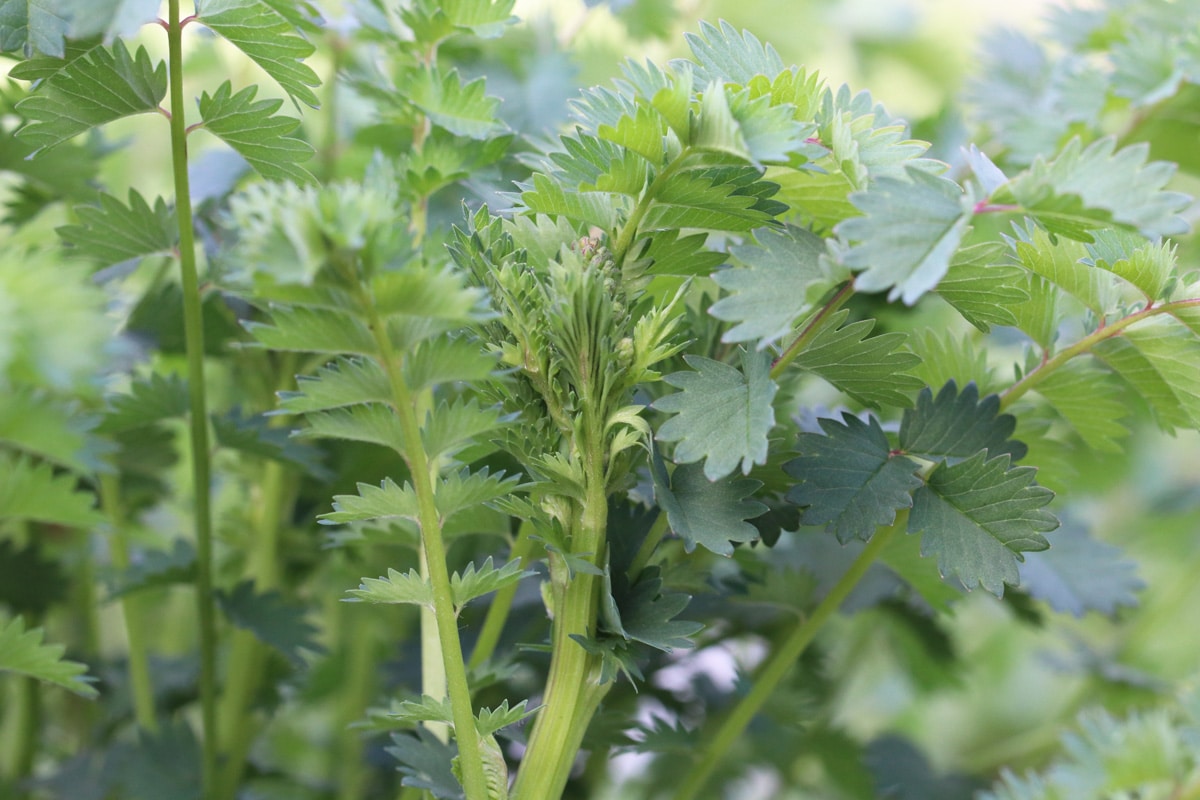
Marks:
<point>936,703</point>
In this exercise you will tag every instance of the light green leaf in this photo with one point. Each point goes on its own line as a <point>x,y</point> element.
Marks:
<point>373,422</point>
<point>978,516</point>
<point>113,232</point>
<point>908,234</point>
<point>99,87</point>
<point>1146,265</point>
<point>250,129</point>
<point>782,279</point>
<point>722,414</point>
<point>872,371</point>
<point>462,109</point>
<point>446,360</point>
<point>484,18</point>
<point>313,330</point>
<point>946,356</point>
<point>150,400</point>
<point>1059,260</point>
<point>981,286</point>
<point>711,513</point>
<point>1158,360</point>
<point>386,501</point>
<point>850,481</point>
<point>110,18</point>
<point>22,652</point>
<point>722,198</point>
<point>397,587</point>
<point>490,720</point>
<point>546,196</point>
<point>33,422</point>
<point>472,583</point>
<point>344,382</point>
<point>902,554</point>
<point>820,200</point>
<point>267,37</point>
<point>642,133</point>
<point>956,425</point>
<point>460,491</point>
<point>34,492</point>
<point>1091,402</point>
<point>724,54</point>
<point>1080,574</point>
<point>427,709</point>
<point>666,252</point>
<point>1041,313</point>
<point>1082,189</point>
<point>452,426</point>
<point>32,26</point>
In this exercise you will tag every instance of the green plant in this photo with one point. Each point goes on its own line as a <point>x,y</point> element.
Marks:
<point>686,285</point>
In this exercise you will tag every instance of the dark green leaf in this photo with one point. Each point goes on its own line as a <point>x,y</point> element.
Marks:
<point>425,762</point>
<point>1080,574</point>
<point>869,370</point>
<point>30,583</point>
<point>710,513</point>
<point>272,620</point>
<point>158,568</point>
<point>981,286</point>
<point>978,516</point>
<point>957,425</point>
<point>250,129</point>
<point>253,436</point>
<point>850,481</point>
<point>113,232</point>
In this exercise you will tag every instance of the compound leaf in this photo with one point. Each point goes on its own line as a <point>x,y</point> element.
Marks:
<point>908,234</point>
<point>98,87</point>
<point>22,652</point>
<point>1061,263</point>
<point>711,513</point>
<point>452,426</point>
<point>343,382</point>
<point>978,516</point>
<point>1080,574</point>
<point>850,481</point>
<point>1146,265</point>
<point>33,422</point>
<point>273,621</point>
<point>267,37</point>
<point>484,18</point>
<point>722,414</point>
<point>386,501</point>
<point>720,198</point>
<point>32,26</point>
<point>397,587</point>
<point>310,330</point>
<point>644,613</point>
<point>253,436</point>
<point>781,280</point>
<point>957,425</point>
<point>372,422</point>
<point>459,491</point>
<point>260,138</point>
<point>113,232</point>
<point>869,370</point>
<point>472,583</point>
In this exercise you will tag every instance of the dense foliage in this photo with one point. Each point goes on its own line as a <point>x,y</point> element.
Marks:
<point>436,447</point>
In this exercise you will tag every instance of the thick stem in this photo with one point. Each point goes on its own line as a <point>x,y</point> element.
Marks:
<point>470,757</point>
<point>133,607</point>
<point>768,677</point>
<point>193,326</point>
<point>28,728</point>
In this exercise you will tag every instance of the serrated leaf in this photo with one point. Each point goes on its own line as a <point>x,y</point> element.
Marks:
<point>1158,360</point>
<point>257,29</point>
<point>490,720</point>
<point>34,492</point>
<point>821,200</point>
<point>782,279</point>
<point>163,766</point>
<point>705,512</point>
<point>902,555</point>
<point>460,491</point>
<point>981,286</point>
<point>425,762</point>
<point>850,481</point>
<point>1090,401</point>
<point>1060,261</point>
<point>22,652</point>
<point>722,414</point>
<point>343,382</point>
<point>273,621</point>
<point>978,516</point>
<point>157,568</point>
<point>32,26</point>
<point>383,502</point>
<point>1146,265</point>
<point>253,436</point>
<point>484,18</point>
<point>33,422</point>
<point>666,252</point>
<point>1080,574</point>
<point>397,587</point>
<point>110,18</point>
<point>150,400</point>
<point>94,89</point>
<point>373,422</point>
<point>311,330</point>
<point>544,195</point>
<point>642,132</point>
<point>957,425</point>
<point>642,612</point>
<point>723,199</point>
<point>949,357</point>
<point>472,583</point>
<point>250,128</point>
<point>908,234</point>
<point>1086,188</point>
<point>461,108</point>
<point>724,54</point>
<point>447,360</point>
<point>113,232</point>
<point>871,370</point>
<point>427,709</point>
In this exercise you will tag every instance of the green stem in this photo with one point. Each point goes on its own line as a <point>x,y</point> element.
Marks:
<point>811,329</point>
<point>573,689</point>
<point>497,614</point>
<point>133,607</point>
<point>359,644</point>
<point>1085,345</point>
<point>470,757</point>
<point>653,537</point>
<point>28,728</point>
<point>193,325</point>
<point>768,677</point>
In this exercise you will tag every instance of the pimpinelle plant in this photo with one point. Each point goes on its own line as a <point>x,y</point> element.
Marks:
<point>645,372</point>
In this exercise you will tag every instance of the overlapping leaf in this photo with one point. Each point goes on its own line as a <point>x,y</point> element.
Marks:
<point>871,370</point>
<point>32,491</point>
<point>1061,263</point>
<point>977,517</point>
<point>34,423</point>
<point>713,198</point>
<point>1090,400</point>
<point>23,652</point>
<point>313,330</point>
<point>273,621</point>
<point>1146,265</point>
<point>1158,360</point>
<point>850,481</point>
<point>644,613</point>
<point>956,425</point>
<point>1080,574</point>
<point>113,232</point>
<point>250,128</point>
<point>908,234</point>
<point>981,286</point>
<point>257,29</point>
<point>98,87</point>
<point>150,400</point>
<point>253,436</point>
<point>781,280</point>
<point>461,108</point>
<point>711,513</point>
<point>722,414</point>
<point>343,382</point>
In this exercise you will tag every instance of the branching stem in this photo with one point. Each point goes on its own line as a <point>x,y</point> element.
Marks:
<point>811,329</point>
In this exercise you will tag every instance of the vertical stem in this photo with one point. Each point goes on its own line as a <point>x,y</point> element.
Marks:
<point>133,607</point>
<point>28,728</point>
<point>465,733</point>
<point>359,645</point>
<point>768,677</point>
<point>497,614</point>
<point>193,325</point>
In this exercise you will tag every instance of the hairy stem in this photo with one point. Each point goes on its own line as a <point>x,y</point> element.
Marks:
<point>133,608</point>
<point>459,691</point>
<point>193,326</point>
<point>768,677</point>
